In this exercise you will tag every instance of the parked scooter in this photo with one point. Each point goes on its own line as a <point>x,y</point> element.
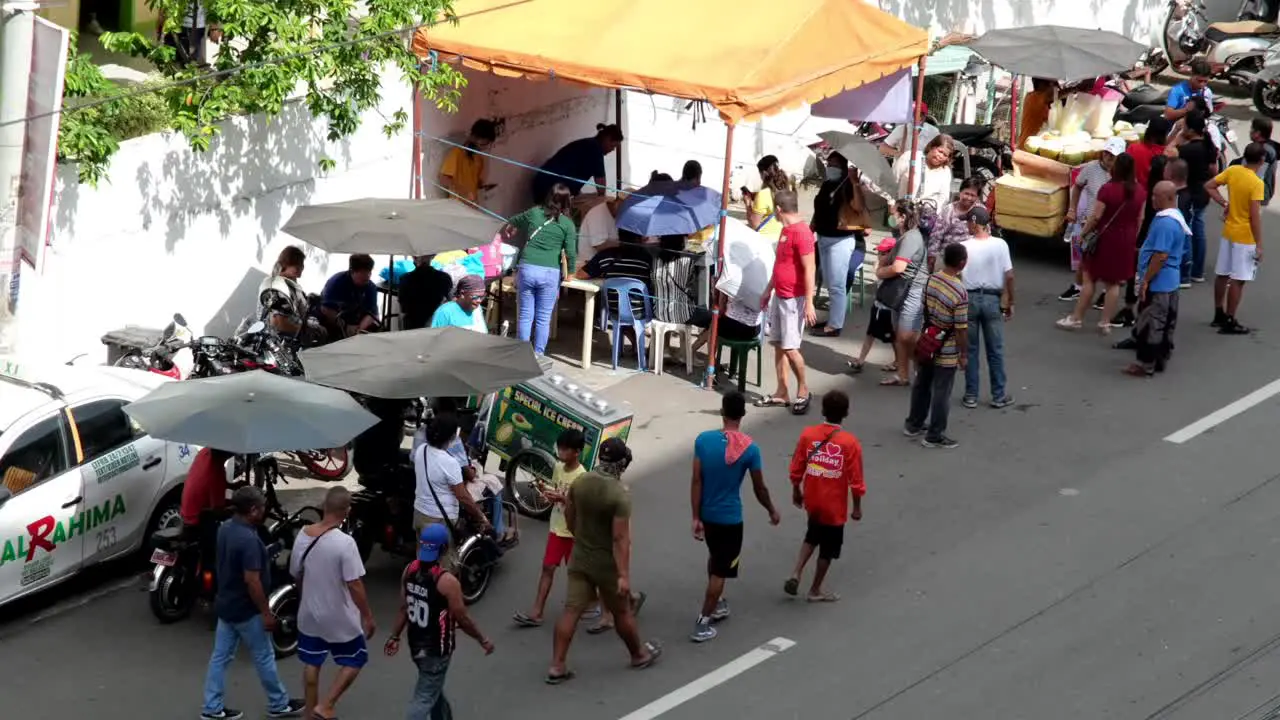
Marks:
<point>1233,49</point>
<point>1266,84</point>
<point>171,356</point>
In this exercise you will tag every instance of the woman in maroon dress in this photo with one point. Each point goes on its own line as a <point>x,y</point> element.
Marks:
<point>1117,215</point>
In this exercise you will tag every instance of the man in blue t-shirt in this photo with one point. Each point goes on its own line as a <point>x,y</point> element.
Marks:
<point>1197,85</point>
<point>243,576</point>
<point>349,301</point>
<point>1159,267</point>
<point>721,459</point>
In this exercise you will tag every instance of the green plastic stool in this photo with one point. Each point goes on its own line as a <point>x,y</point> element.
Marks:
<point>739,355</point>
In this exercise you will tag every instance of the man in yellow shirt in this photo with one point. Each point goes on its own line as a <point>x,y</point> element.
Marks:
<point>559,540</point>
<point>1240,250</point>
<point>462,172</point>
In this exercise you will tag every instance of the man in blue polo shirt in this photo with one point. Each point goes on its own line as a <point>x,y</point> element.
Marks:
<point>1196,85</point>
<point>244,577</point>
<point>1159,270</point>
<point>721,459</point>
<point>350,299</point>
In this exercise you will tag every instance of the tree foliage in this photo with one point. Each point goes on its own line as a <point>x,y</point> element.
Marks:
<point>328,52</point>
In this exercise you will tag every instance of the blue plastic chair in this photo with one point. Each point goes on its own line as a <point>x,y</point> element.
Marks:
<point>625,289</point>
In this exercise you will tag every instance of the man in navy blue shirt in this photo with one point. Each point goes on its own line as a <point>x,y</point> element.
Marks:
<point>243,577</point>
<point>1159,267</point>
<point>721,459</point>
<point>350,299</point>
<point>577,163</point>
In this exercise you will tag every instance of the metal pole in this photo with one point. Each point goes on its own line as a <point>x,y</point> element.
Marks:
<point>1015,141</point>
<point>617,159</point>
<point>17,27</point>
<point>915,128</point>
<point>991,95</point>
<point>719,266</point>
<point>952,97</point>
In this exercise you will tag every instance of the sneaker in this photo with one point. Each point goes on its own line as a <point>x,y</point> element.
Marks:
<point>969,401</point>
<point>1072,292</point>
<point>1231,327</point>
<point>702,631</point>
<point>225,713</point>
<point>1123,319</point>
<point>1100,303</point>
<point>1197,279</point>
<point>1126,344</point>
<point>721,612</point>
<point>943,442</point>
<point>912,432</point>
<point>293,709</point>
<point>1185,284</point>
<point>1219,318</point>
<point>1003,402</point>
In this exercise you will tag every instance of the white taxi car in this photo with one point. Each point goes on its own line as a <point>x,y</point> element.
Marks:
<point>80,483</point>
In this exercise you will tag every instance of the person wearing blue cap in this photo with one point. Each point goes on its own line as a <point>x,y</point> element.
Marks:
<point>432,608</point>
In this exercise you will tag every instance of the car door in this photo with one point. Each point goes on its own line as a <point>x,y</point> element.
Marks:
<point>124,474</point>
<point>42,524</point>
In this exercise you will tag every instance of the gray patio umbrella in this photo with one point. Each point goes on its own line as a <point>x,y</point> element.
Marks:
<point>392,227</point>
<point>1058,53</point>
<point>253,412</point>
<point>433,362</point>
<point>863,155</point>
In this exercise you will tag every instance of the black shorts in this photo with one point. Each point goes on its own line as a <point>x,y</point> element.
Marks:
<point>724,547</point>
<point>827,538</point>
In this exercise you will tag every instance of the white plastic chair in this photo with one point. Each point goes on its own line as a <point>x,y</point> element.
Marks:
<point>659,343</point>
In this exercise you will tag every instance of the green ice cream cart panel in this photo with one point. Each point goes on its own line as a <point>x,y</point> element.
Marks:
<point>533,414</point>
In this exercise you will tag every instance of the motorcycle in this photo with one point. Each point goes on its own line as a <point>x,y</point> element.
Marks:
<point>1266,84</point>
<point>183,572</point>
<point>382,515</point>
<point>171,356</point>
<point>1233,49</point>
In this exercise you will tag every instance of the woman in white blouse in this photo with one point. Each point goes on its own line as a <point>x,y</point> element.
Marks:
<point>933,175</point>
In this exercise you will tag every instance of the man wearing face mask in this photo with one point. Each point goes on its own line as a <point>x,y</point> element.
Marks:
<point>839,221</point>
<point>462,172</point>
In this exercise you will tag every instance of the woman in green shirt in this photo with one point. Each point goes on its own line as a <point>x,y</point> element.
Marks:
<point>549,234</point>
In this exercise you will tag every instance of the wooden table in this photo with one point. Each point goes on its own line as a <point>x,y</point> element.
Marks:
<point>589,288</point>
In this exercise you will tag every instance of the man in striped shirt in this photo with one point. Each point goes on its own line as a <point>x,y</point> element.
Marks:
<point>946,316</point>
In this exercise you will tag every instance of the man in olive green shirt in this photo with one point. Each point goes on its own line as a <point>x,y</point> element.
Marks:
<point>598,511</point>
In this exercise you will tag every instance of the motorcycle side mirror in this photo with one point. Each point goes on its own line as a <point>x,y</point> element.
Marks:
<point>179,320</point>
<point>256,328</point>
<point>5,494</point>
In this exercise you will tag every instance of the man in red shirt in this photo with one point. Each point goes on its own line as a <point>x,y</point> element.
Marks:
<point>826,469</point>
<point>788,300</point>
<point>204,489</point>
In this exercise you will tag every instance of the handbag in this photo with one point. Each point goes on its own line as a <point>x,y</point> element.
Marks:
<point>893,292</point>
<point>932,339</point>
<point>1089,240</point>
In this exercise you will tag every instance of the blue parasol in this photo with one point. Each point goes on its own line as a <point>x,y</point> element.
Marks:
<point>669,208</point>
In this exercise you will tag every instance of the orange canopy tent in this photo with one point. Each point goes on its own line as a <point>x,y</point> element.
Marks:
<point>747,58</point>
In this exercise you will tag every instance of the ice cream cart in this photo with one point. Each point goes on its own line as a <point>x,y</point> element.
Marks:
<point>525,421</point>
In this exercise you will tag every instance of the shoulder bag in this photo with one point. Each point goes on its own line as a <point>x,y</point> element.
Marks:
<point>302,564</point>
<point>893,292</point>
<point>1089,240</point>
<point>932,339</point>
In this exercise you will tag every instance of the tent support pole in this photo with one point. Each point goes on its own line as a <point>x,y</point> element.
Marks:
<point>719,256</point>
<point>1014,91</point>
<point>415,163</point>
<point>991,95</point>
<point>617,115</point>
<point>915,128</point>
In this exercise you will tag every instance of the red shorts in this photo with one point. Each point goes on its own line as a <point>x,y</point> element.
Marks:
<point>558,550</point>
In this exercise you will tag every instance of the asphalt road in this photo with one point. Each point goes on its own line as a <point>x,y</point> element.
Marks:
<point>1065,562</point>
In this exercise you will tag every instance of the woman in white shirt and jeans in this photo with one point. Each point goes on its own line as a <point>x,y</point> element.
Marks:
<point>439,492</point>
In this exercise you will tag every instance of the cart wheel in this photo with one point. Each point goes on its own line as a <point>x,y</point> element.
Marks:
<point>525,471</point>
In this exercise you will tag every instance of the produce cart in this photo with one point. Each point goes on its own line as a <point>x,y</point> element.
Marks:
<point>525,421</point>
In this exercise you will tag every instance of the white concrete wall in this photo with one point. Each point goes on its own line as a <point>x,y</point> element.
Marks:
<point>178,231</point>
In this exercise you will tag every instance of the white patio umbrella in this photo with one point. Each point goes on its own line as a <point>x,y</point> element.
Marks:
<point>253,412</point>
<point>392,226</point>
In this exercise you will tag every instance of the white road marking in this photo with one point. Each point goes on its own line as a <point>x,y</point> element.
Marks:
<point>1217,417</point>
<point>719,676</point>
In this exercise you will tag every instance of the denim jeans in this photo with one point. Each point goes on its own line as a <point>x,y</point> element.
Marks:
<point>931,399</point>
<point>428,701</point>
<point>1193,257</point>
<point>226,640</point>
<point>538,288</point>
<point>840,260</point>
<point>986,319</point>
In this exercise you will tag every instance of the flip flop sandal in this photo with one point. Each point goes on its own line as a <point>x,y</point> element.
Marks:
<point>637,602</point>
<point>801,405</point>
<point>791,586</point>
<point>855,367</point>
<point>1137,371</point>
<point>655,652</point>
<point>525,621</point>
<point>318,716</point>
<point>895,381</point>
<point>599,629</point>
<point>826,597</point>
<point>890,367</point>
<point>564,677</point>
<point>592,614</point>
<point>772,402</point>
